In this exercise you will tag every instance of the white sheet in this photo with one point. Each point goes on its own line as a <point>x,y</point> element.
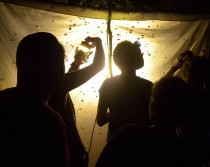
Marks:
<point>161,42</point>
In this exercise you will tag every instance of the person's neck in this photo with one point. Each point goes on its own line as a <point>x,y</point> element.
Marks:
<point>128,73</point>
<point>33,94</point>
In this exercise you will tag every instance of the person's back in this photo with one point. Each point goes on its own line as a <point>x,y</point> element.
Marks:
<point>125,96</point>
<point>197,128</point>
<point>195,72</point>
<point>136,145</point>
<point>172,103</point>
<point>176,104</point>
<point>128,100</point>
<point>32,134</point>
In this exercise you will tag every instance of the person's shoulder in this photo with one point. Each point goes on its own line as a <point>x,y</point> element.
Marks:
<point>50,112</point>
<point>8,94</point>
<point>8,91</point>
<point>110,81</point>
<point>46,116</point>
<point>145,82</point>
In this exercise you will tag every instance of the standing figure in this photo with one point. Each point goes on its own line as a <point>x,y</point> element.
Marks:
<point>124,99</point>
<point>173,102</point>
<point>61,101</point>
<point>32,133</point>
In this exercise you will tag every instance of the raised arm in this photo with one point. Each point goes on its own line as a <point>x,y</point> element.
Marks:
<point>181,59</point>
<point>77,78</point>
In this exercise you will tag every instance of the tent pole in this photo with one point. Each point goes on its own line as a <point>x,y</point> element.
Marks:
<point>109,39</point>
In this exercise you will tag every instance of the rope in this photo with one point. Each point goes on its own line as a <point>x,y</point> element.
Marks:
<point>109,39</point>
<point>91,139</point>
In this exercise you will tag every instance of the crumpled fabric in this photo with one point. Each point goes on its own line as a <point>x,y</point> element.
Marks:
<point>162,40</point>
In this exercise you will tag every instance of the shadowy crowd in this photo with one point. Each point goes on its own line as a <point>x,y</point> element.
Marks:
<point>166,123</point>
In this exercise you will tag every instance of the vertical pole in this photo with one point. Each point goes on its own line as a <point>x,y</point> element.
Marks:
<point>109,39</point>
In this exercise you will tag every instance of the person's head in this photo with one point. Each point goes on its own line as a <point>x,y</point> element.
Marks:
<point>128,56</point>
<point>40,62</point>
<point>171,102</point>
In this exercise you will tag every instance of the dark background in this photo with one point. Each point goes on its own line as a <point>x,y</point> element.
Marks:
<point>165,6</point>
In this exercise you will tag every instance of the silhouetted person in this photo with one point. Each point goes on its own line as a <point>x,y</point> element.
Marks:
<point>198,126</point>
<point>187,111</point>
<point>195,70</point>
<point>124,99</point>
<point>198,73</point>
<point>62,103</point>
<point>32,133</point>
<point>173,102</point>
<point>181,65</point>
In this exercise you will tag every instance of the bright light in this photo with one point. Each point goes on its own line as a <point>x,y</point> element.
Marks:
<point>121,30</point>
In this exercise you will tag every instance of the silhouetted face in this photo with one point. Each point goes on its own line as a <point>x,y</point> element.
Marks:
<point>40,60</point>
<point>128,56</point>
